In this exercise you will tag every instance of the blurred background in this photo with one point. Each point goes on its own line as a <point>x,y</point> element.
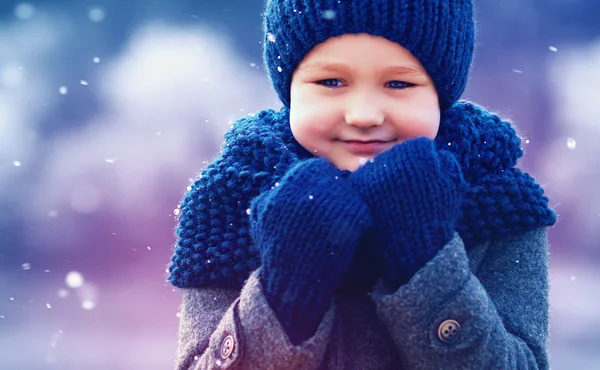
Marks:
<point>109,109</point>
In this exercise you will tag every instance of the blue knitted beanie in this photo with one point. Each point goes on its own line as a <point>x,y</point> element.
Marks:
<point>439,33</point>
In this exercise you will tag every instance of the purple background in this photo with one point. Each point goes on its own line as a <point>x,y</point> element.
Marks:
<point>96,154</point>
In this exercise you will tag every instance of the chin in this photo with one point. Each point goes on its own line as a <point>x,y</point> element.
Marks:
<point>353,163</point>
<point>350,168</point>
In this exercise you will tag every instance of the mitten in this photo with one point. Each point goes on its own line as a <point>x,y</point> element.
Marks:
<point>414,193</point>
<point>307,230</point>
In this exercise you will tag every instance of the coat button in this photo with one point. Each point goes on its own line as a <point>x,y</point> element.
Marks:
<point>227,347</point>
<point>448,331</point>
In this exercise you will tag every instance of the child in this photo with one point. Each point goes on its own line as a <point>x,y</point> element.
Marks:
<point>374,222</point>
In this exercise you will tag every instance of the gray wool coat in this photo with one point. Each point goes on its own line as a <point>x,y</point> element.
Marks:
<point>485,308</point>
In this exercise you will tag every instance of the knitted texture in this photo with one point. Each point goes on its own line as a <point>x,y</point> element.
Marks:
<point>214,246</point>
<point>414,194</point>
<point>307,230</point>
<point>501,200</point>
<point>439,33</point>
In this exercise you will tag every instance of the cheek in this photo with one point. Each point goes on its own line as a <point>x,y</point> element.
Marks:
<point>312,122</point>
<point>300,129</point>
<point>431,123</point>
<point>310,129</point>
<point>420,120</point>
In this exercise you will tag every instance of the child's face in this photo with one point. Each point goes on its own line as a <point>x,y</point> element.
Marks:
<point>355,96</point>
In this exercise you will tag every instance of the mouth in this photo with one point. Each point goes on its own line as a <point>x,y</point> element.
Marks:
<point>367,147</point>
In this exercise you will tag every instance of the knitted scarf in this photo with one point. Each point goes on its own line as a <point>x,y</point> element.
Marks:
<point>214,246</point>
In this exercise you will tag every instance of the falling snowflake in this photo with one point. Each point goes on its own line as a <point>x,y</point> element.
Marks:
<point>88,304</point>
<point>24,11</point>
<point>96,14</point>
<point>329,14</point>
<point>74,279</point>
<point>571,143</point>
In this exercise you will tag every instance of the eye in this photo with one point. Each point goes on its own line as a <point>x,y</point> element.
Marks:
<point>330,83</point>
<point>399,85</point>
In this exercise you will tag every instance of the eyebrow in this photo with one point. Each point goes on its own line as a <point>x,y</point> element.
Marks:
<point>337,67</point>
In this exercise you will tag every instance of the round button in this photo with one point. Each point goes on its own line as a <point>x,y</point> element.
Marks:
<point>227,347</point>
<point>448,331</point>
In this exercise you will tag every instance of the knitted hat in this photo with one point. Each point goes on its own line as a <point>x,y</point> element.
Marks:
<point>439,33</point>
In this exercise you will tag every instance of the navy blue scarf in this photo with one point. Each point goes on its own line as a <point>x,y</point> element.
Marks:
<point>214,245</point>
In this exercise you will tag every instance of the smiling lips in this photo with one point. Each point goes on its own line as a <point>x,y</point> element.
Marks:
<point>367,147</point>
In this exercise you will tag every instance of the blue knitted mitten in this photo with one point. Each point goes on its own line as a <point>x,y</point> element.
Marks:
<point>307,230</point>
<point>414,193</point>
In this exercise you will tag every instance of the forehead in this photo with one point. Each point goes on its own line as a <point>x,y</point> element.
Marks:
<point>360,49</point>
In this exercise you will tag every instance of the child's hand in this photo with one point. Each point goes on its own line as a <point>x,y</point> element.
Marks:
<point>415,195</point>
<point>307,230</point>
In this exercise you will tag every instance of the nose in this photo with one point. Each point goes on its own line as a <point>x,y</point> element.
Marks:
<point>363,112</point>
